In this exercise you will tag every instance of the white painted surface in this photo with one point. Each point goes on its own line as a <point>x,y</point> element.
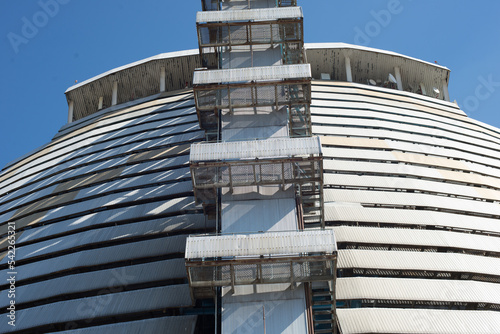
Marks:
<point>267,243</point>
<point>348,69</point>
<point>258,215</point>
<point>163,75</point>
<point>71,108</point>
<point>268,148</point>
<point>461,291</point>
<point>415,321</point>
<point>260,14</point>
<point>261,73</point>
<point>398,77</point>
<point>114,98</point>
<point>284,311</point>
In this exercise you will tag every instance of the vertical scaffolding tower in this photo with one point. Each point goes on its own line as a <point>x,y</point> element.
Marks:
<point>271,263</point>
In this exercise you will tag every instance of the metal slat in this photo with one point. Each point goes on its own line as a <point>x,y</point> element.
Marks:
<point>261,149</point>
<point>94,236</point>
<point>103,306</point>
<point>418,143</point>
<point>96,257</point>
<point>105,218</point>
<point>426,128</point>
<point>411,200</point>
<point>418,261</point>
<point>255,245</point>
<point>379,320</point>
<point>114,186</point>
<point>59,163</point>
<point>184,324</point>
<point>408,164</point>
<point>355,288</point>
<point>110,200</point>
<point>114,278</point>
<point>248,74</point>
<point>398,183</point>
<point>417,238</point>
<point>389,113</point>
<point>260,14</point>
<point>354,213</point>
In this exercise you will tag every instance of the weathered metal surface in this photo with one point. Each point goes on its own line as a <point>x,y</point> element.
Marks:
<point>273,244</point>
<point>380,320</point>
<point>250,14</point>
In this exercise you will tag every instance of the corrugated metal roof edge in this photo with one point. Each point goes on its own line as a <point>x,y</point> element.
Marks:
<point>310,46</point>
<point>176,54</point>
<point>195,52</point>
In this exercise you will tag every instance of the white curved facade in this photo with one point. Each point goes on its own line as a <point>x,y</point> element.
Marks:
<point>411,190</point>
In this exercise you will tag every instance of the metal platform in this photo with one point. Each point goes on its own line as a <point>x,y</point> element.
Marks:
<point>275,161</point>
<point>208,5</point>
<point>260,258</point>
<point>220,31</point>
<point>232,90</point>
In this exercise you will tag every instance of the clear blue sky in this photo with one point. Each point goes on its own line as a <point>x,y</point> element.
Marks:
<point>83,38</point>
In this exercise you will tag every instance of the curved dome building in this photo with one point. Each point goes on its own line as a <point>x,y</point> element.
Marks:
<point>319,188</point>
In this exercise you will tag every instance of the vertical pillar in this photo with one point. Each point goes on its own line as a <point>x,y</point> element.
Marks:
<point>446,94</point>
<point>71,108</point>
<point>100,103</point>
<point>348,69</point>
<point>163,75</point>
<point>397,70</point>
<point>422,88</point>
<point>114,98</point>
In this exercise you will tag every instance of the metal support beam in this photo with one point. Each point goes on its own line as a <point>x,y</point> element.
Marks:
<point>71,108</point>
<point>114,98</point>
<point>348,69</point>
<point>163,75</point>
<point>446,95</point>
<point>397,70</point>
<point>422,88</point>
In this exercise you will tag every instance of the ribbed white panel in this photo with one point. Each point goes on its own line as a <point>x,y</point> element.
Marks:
<point>67,157</point>
<point>406,165</point>
<point>118,303</point>
<point>419,143</point>
<point>399,184</point>
<point>417,289</point>
<point>275,243</point>
<point>383,96</point>
<point>95,280</point>
<point>418,261</point>
<point>354,212</point>
<point>411,199</point>
<point>395,116</point>
<point>415,321</point>
<point>264,14</point>
<point>266,148</point>
<point>94,135</point>
<point>184,324</point>
<point>429,130</point>
<point>95,257</point>
<point>92,237</point>
<point>417,238</point>
<point>247,74</point>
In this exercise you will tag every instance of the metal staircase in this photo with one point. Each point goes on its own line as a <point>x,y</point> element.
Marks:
<point>311,197</point>
<point>323,307</point>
